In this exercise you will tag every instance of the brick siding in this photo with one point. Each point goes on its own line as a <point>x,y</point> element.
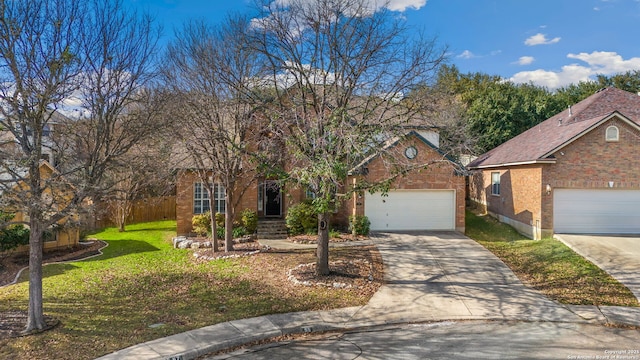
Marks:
<point>589,162</point>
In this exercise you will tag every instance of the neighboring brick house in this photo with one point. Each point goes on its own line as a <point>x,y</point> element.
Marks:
<point>577,172</point>
<point>423,199</point>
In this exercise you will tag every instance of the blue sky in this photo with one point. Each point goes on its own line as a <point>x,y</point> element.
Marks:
<point>549,42</point>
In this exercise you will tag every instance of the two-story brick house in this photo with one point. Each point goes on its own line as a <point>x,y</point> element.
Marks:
<point>425,198</point>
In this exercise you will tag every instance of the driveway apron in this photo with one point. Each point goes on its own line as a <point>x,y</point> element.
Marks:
<point>436,275</point>
<point>617,255</point>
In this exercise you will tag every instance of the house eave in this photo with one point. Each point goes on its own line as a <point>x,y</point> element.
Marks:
<point>519,163</point>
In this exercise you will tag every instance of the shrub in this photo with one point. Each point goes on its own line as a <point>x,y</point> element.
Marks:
<point>239,231</point>
<point>220,220</point>
<point>301,219</point>
<point>359,224</point>
<point>249,220</point>
<point>247,225</point>
<point>201,223</point>
<point>12,236</point>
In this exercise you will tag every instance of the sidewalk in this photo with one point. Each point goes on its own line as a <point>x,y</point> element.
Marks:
<point>429,277</point>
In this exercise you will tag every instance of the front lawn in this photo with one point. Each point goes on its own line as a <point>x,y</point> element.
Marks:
<point>142,289</point>
<point>548,265</point>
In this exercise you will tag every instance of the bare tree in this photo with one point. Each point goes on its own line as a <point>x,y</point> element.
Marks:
<point>90,60</point>
<point>142,173</point>
<point>209,71</point>
<point>341,69</point>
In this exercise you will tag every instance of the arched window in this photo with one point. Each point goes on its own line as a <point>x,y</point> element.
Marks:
<point>612,133</point>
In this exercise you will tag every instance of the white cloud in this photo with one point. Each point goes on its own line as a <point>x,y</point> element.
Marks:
<point>357,9</point>
<point>597,62</point>
<point>606,63</point>
<point>568,75</point>
<point>466,55</point>
<point>540,39</point>
<point>525,60</point>
<point>393,5</point>
<point>403,5</point>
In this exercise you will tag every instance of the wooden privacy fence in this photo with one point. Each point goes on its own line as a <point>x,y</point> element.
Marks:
<point>143,210</point>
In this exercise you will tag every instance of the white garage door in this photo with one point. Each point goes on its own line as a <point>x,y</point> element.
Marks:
<point>605,211</point>
<point>411,210</point>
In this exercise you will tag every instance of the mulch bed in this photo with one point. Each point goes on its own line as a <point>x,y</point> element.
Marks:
<point>353,273</point>
<point>239,249</point>
<point>313,239</point>
<point>12,324</point>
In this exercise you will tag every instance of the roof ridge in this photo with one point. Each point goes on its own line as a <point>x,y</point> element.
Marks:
<point>535,142</point>
<point>601,103</point>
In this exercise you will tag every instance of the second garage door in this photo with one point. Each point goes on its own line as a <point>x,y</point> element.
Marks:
<point>602,211</point>
<point>411,210</point>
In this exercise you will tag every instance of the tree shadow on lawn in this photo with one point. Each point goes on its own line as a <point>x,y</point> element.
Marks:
<point>121,248</point>
<point>132,229</point>
<point>48,271</point>
<point>115,249</point>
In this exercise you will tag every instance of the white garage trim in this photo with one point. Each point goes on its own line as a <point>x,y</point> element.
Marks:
<point>411,210</point>
<point>596,211</point>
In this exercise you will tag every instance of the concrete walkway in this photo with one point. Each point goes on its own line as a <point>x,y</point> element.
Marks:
<point>430,277</point>
<point>617,255</point>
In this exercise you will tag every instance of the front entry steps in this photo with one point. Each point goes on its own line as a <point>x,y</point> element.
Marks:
<point>272,229</point>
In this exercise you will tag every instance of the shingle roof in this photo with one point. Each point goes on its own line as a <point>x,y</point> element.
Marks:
<point>538,142</point>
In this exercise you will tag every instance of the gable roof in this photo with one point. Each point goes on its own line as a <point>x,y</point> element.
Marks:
<point>537,144</point>
<point>393,142</point>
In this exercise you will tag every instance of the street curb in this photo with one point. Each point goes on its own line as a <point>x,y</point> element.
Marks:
<point>313,325</point>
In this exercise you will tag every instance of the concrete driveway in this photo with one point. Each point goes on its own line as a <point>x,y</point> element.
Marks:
<point>619,256</point>
<point>446,275</point>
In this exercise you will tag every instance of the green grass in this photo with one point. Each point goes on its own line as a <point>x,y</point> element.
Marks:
<point>548,265</point>
<point>108,302</point>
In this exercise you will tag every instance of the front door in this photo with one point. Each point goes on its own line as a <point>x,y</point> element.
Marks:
<point>273,199</point>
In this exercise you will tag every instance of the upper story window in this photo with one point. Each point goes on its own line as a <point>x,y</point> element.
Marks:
<point>495,183</point>
<point>309,193</point>
<point>612,133</point>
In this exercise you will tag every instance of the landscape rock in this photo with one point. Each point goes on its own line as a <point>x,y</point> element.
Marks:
<point>177,240</point>
<point>185,244</point>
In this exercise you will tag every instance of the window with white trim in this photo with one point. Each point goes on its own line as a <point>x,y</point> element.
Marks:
<point>612,133</point>
<point>201,198</point>
<point>495,183</point>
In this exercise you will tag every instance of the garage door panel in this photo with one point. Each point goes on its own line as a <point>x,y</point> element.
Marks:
<point>601,211</point>
<point>411,210</point>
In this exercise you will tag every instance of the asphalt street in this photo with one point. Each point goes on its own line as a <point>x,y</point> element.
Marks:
<point>458,340</point>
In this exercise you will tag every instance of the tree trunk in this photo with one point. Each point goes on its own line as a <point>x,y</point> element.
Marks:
<point>35,317</point>
<point>322,252</point>
<point>228,220</point>
<point>121,215</point>
<point>214,231</point>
